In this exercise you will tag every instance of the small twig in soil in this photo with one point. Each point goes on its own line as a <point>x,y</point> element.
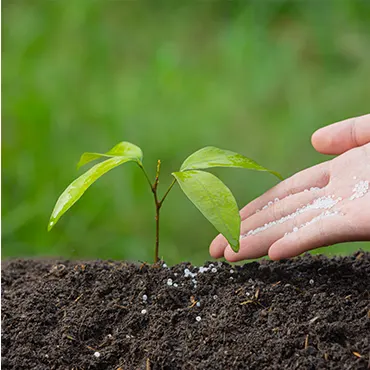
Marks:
<point>359,256</point>
<point>238,290</point>
<point>257,293</point>
<point>78,298</point>
<point>254,301</point>
<point>81,266</point>
<point>123,307</point>
<point>306,342</point>
<point>90,348</point>
<point>193,302</point>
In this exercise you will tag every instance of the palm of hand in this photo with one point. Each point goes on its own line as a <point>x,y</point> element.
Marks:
<point>322,205</point>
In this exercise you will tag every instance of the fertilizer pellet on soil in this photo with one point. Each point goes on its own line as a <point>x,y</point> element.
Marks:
<point>261,319</point>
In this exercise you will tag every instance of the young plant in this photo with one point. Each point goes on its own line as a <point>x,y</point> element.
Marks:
<point>209,194</point>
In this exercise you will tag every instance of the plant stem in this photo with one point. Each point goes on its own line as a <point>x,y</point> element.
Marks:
<point>157,209</point>
<point>158,204</point>
<point>166,193</point>
<point>146,175</point>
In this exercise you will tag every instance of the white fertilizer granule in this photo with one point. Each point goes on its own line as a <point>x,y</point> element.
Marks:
<point>169,282</point>
<point>188,273</point>
<point>144,311</point>
<point>360,189</point>
<point>198,318</point>
<point>325,202</point>
<point>145,297</point>
<point>270,203</point>
<point>97,354</point>
<point>315,219</point>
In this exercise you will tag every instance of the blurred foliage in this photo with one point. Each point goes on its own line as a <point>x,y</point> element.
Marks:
<point>256,77</point>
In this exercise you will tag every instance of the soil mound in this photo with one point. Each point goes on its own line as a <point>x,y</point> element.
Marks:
<point>310,312</point>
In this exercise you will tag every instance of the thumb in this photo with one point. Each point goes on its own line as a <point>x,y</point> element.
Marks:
<point>342,136</point>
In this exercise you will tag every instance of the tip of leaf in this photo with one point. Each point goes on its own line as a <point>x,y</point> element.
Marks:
<point>235,247</point>
<point>277,174</point>
<point>80,163</point>
<point>51,225</point>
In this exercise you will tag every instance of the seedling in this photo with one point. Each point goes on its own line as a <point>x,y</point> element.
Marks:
<point>209,194</point>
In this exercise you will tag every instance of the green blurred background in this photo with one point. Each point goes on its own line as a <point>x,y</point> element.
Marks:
<point>254,77</point>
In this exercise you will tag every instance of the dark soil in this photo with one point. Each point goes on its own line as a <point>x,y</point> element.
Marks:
<point>307,313</point>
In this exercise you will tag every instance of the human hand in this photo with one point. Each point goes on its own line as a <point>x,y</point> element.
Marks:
<point>325,204</point>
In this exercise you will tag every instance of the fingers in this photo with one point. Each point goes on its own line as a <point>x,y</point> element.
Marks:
<point>314,177</point>
<point>342,136</point>
<point>277,212</point>
<point>216,249</point>
<point>326,231</point>
<point>256,242</point>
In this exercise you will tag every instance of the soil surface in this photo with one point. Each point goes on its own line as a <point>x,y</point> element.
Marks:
<point>306,313</point>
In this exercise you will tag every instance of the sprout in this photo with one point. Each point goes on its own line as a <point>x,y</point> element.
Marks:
<point>209,194</point>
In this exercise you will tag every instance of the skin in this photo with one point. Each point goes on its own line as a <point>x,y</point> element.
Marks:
<point>350,141</point>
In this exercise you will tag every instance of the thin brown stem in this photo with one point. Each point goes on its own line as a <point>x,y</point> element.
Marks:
<point>158,204</point>
<point>157,209</point>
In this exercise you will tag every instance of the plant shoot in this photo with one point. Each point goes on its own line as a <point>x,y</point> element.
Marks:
<point>208,193</point>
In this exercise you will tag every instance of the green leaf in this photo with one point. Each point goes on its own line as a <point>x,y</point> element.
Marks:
<point>211,156</point>
<point>215,200</point>
<point>77,188</point>
<point>123,149</point>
